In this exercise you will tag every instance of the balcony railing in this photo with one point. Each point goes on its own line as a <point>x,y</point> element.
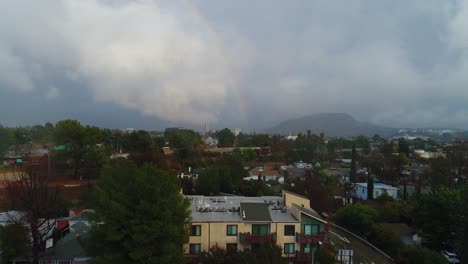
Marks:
<point>256,238</point>
<point>310,239</point>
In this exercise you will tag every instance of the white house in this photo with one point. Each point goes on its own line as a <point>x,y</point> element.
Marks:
<point>360,190</point>
<point>266,174</point>
<point>302,165</point>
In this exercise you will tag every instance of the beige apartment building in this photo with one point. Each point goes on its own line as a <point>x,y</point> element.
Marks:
<point>240,223</point>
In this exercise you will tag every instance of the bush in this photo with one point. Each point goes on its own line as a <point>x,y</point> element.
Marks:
<point>325,256</point>
<point>385,239</point>
<point>384,198</point>
<point>357,217</point>
<point>420,255</point>
<point>394,212</point>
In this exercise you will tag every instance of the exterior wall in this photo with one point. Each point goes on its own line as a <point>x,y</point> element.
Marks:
<point>361,192</point>
<point>309,220</point>
<point>291,198</point>
<point>281,239</point>
<point>215,233</point>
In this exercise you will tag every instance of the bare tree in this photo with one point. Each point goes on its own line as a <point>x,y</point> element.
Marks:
<point>39,204</point>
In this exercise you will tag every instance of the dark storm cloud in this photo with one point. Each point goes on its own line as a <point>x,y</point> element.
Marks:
<point>234,63</point>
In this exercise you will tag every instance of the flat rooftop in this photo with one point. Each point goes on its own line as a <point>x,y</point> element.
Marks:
<point>228,209</point>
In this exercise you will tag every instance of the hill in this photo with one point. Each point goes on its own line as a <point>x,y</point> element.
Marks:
<point>331,124</point>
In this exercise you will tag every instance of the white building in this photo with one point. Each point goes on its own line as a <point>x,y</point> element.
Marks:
<point>360,190</point>
<point>302,165</point>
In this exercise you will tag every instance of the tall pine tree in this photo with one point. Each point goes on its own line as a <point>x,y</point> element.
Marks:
<point>370,186</point>
<point>352,172</point>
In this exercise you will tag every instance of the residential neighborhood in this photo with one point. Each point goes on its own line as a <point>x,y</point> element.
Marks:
<point>233,132</point>
<point>243,200</point>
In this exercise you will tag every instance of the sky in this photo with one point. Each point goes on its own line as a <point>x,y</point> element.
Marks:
<point>248,64</point>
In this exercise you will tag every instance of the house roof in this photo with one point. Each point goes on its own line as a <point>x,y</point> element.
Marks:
<point>273,164</point>
<point>255,212</point>
<point>377,186</point>
<point>227,208</point>
<point>264,172</point>
<point>70,246</point>
<point>310,212</point>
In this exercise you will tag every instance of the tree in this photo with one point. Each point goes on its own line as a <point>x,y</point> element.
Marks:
<point>437,214</point>
<point>325,256</point>
<point>214,180</point>
<point>136,209</point>
<point>357,217</point>
<point>269,252</point>
<point>185,142</point>
<point>76,138</point>
<point>370,187</point>
<point>6,139</point>
<point>403,146</point>
<point>461,241</point>
<point>40,204</point>
<point>316,192</point>
<point>420,255</point>
<point>395,212</point>
<point>226,138</point>
<point>440,172</point>
<point>384,238</point>
<point>13,241</point>
<point>352,171</point>
<point>363,142</point>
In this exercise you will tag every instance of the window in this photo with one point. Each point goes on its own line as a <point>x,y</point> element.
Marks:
<point>260,229</point>
<point>289,248</point>
<point>195,230</point>
<point>289,230</point>
<point>311,229</point>
<point>231,230</point>
<point>315,229</point>
<point>231,248</point>
<point>306,248</point>
<point>194,248</point>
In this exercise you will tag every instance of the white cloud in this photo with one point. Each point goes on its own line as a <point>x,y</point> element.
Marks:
<point>168,60</point>
<point>162,61</point>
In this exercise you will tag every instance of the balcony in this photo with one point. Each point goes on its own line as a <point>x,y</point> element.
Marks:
<point>248,238</point>
<point>310,239</point>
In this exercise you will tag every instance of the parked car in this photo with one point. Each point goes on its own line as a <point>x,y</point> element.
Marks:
<point>450,256</point>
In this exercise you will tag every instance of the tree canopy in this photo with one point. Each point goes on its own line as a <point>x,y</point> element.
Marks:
<point>226,138</point>
<point>6,139</point>
<point>141,217</point>
<point>357,217</point>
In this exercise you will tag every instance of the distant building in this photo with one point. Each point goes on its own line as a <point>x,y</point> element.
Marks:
<point>238,223</point>
<point>129,130</point>
<point>273,165</point>
<point>266,174</point>
<point>428,154</point>
<point>120,156</point>
<point>167,150</point>
<point>291,137</point>
<point>237,131</point>
<point>302,165</point>
<point>360,190</point>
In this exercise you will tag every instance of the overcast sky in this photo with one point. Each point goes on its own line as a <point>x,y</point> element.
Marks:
<point>150,64</point>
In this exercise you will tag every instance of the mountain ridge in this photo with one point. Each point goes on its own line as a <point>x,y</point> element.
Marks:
<point>331,124</point>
